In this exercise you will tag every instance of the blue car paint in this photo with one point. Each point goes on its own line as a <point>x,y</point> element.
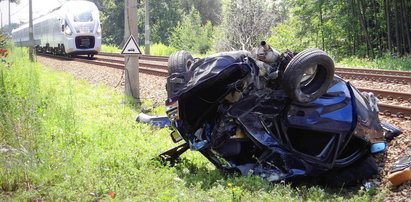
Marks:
<point>332,112</point>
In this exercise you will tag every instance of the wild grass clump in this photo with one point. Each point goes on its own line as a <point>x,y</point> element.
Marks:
<point>159,49</point>
<point>63,139</point>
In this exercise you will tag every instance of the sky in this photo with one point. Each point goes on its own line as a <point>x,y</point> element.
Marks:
<point>20,12</point>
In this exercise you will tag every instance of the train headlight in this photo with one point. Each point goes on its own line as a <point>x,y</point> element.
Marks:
<point>67,30</point>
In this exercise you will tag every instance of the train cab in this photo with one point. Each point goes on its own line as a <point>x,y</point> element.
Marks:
<point>82,27</point>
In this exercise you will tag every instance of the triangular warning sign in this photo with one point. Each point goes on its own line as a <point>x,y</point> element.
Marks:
<point>131,47</point>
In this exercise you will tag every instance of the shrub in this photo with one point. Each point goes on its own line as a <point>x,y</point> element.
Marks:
<point>191,35</point>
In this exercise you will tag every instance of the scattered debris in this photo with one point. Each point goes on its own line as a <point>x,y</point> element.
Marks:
<point>401,171</point>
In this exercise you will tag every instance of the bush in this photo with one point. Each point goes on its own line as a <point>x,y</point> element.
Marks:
<point>285,37</point>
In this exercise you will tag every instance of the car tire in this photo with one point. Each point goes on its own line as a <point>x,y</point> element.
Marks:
<point>179,62</point>
<point>301,87</point>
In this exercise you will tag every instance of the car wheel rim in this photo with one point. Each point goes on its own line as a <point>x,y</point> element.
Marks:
<point>309,75</point>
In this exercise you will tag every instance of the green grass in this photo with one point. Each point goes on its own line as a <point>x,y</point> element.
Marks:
<point>391,63</point>
<point>159,49</point>
<point>63,139</point>
<point>110,49</point>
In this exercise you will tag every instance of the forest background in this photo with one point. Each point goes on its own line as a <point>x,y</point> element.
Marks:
<point>343,28</point>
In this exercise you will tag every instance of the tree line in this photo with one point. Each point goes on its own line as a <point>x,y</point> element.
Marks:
<point>364,28</point>
<point>344,28</point>
<point>368,28</point>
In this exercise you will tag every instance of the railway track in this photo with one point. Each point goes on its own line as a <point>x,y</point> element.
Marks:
<point>390,76</point>
<point>157,65</point>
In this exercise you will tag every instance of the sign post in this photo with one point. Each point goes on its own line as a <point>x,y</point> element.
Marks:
<point>147,27</point>
<point>131,51</point>
<point>31,38</point>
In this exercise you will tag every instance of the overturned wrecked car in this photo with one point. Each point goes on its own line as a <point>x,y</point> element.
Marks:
<point>279,116</point>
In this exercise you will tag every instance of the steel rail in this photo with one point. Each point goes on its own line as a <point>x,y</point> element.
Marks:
<point>143,57</point>
<point>389,95</point>
<point>141,64</point>
<point>375,77</point>
<point>339,69</point>
<point>374,71</point>
<point>403,78</point>
<point>393,110</point>
<point>60,57</point>
<point>142,69</point>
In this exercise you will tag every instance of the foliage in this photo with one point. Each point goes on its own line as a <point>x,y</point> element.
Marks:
<point>65,140</point>
<point>353,27</point>
<point>112,21</point>
<point>245,23</point>
<point>164,16</point>
<point>3,49</point>
<point>210,11</point>
<point>284,36</point>
<point>190,35</point>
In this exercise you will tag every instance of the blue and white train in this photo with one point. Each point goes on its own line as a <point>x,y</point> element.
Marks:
<point>72,29</point>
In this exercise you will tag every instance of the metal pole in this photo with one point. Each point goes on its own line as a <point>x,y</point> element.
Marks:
<point>132,87</point>
<point>9,14</point>
<point>1,19</point>
<point>31,38</point>
<point>147,27</point>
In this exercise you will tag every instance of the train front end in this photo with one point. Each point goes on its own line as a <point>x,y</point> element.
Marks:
<point>82,28</point>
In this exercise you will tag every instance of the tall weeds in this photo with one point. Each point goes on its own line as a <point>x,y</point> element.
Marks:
<point>19,121</point>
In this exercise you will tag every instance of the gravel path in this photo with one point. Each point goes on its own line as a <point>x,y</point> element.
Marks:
<point>153,88</point>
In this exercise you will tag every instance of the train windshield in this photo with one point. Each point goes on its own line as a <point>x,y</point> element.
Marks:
<point>83,13</point>
<point>83,17</point>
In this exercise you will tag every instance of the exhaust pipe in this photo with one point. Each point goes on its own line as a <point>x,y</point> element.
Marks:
<point>267,54</point>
